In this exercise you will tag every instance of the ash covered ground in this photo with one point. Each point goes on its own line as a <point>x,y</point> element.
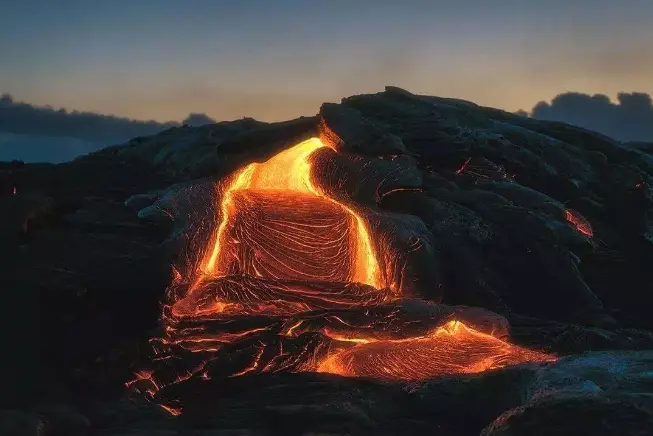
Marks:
<point>544,225</point>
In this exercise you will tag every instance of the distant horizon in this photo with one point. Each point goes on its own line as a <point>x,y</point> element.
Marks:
<point>49,134</point>
<point>47,105</point>
<point>613,99</point>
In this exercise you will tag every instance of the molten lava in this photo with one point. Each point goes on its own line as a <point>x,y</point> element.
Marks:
<point>578,221</point>
<point>450,349</point>
<point>285,182</point>
<point>291,281</point>
<point>276,224</point>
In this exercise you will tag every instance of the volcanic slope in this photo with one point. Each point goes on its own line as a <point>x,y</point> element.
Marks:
<point>498,239</point>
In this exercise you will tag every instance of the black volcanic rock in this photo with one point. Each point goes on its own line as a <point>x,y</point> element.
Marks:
<point>567,416</point>
<point>646,147</point>
<point>560,162</point>
<point>345,129</point>
<point>88,247</point>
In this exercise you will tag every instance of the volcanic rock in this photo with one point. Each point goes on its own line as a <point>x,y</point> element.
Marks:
<point>17,423</point>
<point>270,137</point>
<point>345,129</point>
<point>527,398</point>
<point>60,420</point>
<point>591,414</point>
<point>140,201</point>
<point>22,213</point>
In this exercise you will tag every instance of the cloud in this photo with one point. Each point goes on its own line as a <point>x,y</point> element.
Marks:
<point>43,134</point>
<point>27,119</point>
<point>628,119</point>
<point>196,120</point>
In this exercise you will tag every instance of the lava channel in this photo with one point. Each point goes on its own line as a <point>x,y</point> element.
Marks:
<point>276,224</point>
<point>287,178</point>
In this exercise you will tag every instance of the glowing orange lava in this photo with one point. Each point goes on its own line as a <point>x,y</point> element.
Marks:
<point>578,221</point>
<point>451,349</point>
<point>289,172</point>
<point>276,224</point>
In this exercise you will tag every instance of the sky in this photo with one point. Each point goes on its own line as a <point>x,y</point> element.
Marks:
<point>274,60</point>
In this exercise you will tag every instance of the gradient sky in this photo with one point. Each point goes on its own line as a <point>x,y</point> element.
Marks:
<point>271,60</point>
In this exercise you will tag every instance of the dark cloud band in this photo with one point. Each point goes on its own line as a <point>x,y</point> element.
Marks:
<point>629,119</point>
<point>23,118</point>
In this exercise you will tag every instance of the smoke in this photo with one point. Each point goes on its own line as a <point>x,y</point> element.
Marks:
<point>629,119</point>
<point>44,134</point>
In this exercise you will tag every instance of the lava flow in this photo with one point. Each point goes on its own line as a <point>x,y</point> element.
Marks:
<point>578,221</point>
<point>292,280</point>
<point>450,349</point>
<point>276,224</point>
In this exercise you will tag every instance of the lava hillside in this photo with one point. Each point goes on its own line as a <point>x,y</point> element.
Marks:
<point>395,264</point>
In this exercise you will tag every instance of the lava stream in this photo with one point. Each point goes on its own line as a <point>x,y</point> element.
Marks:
<point>289,172</point>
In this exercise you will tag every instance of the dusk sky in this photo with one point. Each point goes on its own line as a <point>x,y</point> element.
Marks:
<point>272,60</point>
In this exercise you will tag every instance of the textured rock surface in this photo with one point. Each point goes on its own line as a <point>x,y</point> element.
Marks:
<point>84,275</point>
<point>590,414</point>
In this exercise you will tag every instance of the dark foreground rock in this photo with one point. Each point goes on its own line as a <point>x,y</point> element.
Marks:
<point>547,224</point>
<point>591,414</point>
<point>592,393</point>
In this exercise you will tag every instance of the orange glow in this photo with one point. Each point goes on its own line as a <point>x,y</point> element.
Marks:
<point>275,223</point>
<point>463,166</point>
<point>254,364</point>
<point>290,172</point>
<point>450,349</point>
<point>263,296</point>
<point>171,410</point>
<point>142,375</point>
<point>578,221</point>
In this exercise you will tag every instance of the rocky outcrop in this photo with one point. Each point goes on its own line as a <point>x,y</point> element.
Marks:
<point>345,129</point>
<point>515,176</point>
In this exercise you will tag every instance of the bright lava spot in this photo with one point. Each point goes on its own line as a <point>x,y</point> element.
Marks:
<point>171,410</point>
<point>463,166</point>
<point>578,221</point>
